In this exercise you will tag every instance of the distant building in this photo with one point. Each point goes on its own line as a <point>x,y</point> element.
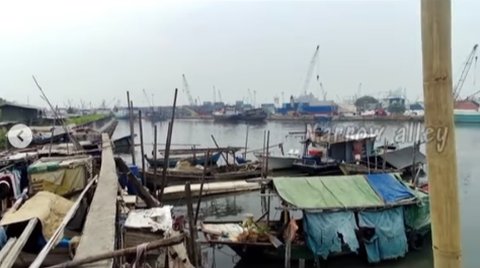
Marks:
<point>11,112</point>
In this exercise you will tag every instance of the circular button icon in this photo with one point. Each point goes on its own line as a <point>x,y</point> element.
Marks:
<point>20,136</point>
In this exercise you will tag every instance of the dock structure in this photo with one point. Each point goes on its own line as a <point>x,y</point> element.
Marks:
<point>99,231</point>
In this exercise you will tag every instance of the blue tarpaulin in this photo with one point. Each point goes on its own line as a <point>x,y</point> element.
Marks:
<point>324,229</point>
<point>389,241</point>
<point>389,188</point>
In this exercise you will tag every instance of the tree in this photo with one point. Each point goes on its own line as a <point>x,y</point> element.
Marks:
<point>365,103</point>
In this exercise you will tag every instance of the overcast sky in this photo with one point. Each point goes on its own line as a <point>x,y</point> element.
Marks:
<point>96,50</point>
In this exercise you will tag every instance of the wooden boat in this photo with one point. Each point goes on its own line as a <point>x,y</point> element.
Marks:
<point>324,151</point>
<point>278,162</point>
<point>218,174</point>
<point>173,160</point>
<point>361,168</point>
<point>123,145</point>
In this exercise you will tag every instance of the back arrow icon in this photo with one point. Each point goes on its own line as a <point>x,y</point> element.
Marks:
<point>19,135</point>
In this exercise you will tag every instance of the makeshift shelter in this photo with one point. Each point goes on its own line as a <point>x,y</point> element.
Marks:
<point>60,175</point>
<point>330,205</point>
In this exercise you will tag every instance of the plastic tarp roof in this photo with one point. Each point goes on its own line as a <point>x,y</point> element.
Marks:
<point>390,189</point>
<point>328,192</point>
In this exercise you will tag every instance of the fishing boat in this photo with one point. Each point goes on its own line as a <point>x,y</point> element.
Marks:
<point>372,213</point>
<point>279,162</point>
<point>173,160</point>
<point>324,151</point>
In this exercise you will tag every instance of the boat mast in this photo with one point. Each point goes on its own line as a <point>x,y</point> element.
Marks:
<point>442,161</point>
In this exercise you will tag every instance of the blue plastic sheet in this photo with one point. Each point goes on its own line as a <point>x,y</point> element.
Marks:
<point>323,230</point>
<point>389,188</point>
<point>390,240</point>
<point>3,237</point>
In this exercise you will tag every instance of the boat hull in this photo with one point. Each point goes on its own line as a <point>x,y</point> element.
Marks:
<point>278,162</point>
<point>468,118</point>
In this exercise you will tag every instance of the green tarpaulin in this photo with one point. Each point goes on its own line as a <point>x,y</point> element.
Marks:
<point>417,216</point>
<point>327,192</point>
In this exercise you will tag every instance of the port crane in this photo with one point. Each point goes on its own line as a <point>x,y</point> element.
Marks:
<point>466,68</point>
<point>186,90</point>
<point>311,67</point>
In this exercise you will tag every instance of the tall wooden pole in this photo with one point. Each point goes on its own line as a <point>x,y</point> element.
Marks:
<point>166,155</point>
<point>142,149</point>
<point>155,166</point>
<point>132,132</point>
<point>441,156</point>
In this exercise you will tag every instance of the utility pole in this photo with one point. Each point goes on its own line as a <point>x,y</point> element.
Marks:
<point>442,161</point>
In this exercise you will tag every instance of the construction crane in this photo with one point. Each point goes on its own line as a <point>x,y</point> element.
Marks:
<point>214,95</point>
<point>220,96</point>
<point>324,93</point>
<point>149,99</point>
<point>313,63</point>
<point>186,90</point>
<point>463,76</point>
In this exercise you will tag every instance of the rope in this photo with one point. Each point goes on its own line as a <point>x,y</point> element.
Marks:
<point>141,255</point>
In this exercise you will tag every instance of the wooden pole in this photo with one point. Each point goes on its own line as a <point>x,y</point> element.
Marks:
<point>384,162</point>
<point>130,118</point>
<point>216,145</point>
<point>414,166</point>
<point>441,155</point>
<point>246,144</point>
<point>142,149</point>
<point>122,252</point>
<point>166,155</point>
<point>155,166</point>
<point>149,200</point>
<point>191,224</point>
<point>267,149</point>
<point>207,157</point>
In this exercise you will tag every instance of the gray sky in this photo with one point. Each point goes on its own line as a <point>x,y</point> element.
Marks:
<point>95,50</point>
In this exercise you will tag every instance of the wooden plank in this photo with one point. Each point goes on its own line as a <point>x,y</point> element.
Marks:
<point>16,249</point>
<point>99,230</point>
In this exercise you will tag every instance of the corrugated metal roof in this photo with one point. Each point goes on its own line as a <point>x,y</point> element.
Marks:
<point>403,158</point>
<point>19,106</point>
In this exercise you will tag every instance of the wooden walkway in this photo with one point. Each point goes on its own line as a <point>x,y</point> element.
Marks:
<point>99,231</point>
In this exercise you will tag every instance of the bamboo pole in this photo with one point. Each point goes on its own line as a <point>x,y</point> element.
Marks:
<point>130,118</point>
<point>155,159</point>
<point>267,154</point>
<point>166,155</point>
<point>142,149</point>
<point>246,144</point>
<point>122,252</point>
<point>191,224</point>
<point>204,174</point>
<point>442,160</point>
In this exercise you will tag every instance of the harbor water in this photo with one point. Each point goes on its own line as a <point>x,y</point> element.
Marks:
<point>234,207</point>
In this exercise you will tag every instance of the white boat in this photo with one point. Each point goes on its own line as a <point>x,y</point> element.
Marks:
<point>277,162</point>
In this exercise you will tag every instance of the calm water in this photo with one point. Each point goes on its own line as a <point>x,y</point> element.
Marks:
<point>235,207</point>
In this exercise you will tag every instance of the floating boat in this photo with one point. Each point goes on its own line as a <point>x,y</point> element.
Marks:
<point>466,116</point>
<point>278,162</point>
<point>377,212</point>
<point>324,151</point>
<point>173,160</point>
<point>123,145</point>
